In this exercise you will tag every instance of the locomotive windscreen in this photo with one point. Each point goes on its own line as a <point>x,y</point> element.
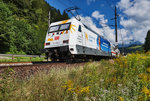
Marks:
<point>59,27</point>
<point>64,26</point>
<point>54,28</point>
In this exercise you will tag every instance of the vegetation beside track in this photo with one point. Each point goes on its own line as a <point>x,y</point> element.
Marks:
<point>23,59</point>
<point>123,79</point>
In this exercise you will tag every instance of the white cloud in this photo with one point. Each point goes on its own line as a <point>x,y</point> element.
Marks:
<point>138,22</point>
<point>89,22</point>
<point>107,32</point>
<point>98,16</point>
<point>124,4</point>
<point>124,34</point>
<point>130,23</point>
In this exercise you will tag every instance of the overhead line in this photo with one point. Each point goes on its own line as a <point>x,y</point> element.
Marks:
<point>106,25</point>
<point>86,14</point>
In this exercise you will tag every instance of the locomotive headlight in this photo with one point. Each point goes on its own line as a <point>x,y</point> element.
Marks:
<point>65,41</point>
<point>71,49</point>
<point>47,43</point>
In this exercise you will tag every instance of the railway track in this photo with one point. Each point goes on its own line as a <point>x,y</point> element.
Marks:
<point>25,69</point>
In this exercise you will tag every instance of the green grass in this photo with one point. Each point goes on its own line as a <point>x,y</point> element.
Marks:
<point>135,47</point>
<point>132,49</point>
<point>127,79</point>
<point>23,59</point>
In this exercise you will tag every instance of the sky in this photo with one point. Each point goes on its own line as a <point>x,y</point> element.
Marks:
<point>133,17</point>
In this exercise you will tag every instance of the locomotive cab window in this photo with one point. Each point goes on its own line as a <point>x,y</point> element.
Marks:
<point>79,29</point>
<point>54,28</point>
<point>65,26</point>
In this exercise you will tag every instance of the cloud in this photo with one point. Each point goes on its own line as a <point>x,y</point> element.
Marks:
<point>89,1</point>
<point>107,32</point>
<point>89,22</point>
<point>124,4</point>
<point>135,18</point>
<point>98,16</point>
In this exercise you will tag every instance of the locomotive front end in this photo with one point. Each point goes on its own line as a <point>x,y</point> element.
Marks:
<point>57,40</point>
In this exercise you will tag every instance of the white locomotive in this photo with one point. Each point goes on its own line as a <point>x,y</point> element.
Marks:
<point>71,39</point>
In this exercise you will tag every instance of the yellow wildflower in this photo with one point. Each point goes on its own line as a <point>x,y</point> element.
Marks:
<point>64,86</point>
<point>70,90</point>
<point>77,90</point>
<point>145,90</point>
<point>143,77</point>
<point>68,84</point>
<point>85,89</point>
<point>143,57</point>
<point>120,98</point>
<point>148,69</point>
<point>148,53</point>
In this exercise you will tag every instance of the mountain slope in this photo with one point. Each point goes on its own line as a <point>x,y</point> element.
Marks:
<point>24,23</point>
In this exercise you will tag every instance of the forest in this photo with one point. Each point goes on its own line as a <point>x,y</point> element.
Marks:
<point>23,25</point>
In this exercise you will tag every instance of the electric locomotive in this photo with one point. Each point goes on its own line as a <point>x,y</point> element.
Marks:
<point>71,39</point>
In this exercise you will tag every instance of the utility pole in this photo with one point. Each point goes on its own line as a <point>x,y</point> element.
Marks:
<point>116,24</point>
<point>49,18</point>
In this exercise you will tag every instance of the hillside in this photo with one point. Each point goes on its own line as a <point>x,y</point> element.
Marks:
<point>23,25</point>
<point>131,49</point>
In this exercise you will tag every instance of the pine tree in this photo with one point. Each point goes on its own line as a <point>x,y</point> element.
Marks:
<point>65,15</point>
<point>147,42</point>
<point>23,25</point>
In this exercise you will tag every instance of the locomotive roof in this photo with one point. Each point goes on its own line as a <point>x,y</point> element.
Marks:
<point>70,20</point>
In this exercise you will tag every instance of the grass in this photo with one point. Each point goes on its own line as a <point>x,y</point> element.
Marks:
<point>127,79</point>
<point>23,59</point>
<point>136,47</point>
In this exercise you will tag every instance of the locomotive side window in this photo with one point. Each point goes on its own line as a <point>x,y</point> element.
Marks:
<point>64,26</point>
<point>79,29</point>
<point>54,28</point>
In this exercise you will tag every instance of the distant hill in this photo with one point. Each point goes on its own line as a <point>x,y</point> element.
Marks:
<point>131,48</point>
<point>130,44</point>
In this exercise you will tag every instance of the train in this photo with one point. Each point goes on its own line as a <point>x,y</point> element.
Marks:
<point>71,40</point>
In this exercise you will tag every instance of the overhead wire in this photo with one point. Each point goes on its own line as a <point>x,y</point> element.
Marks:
<point>82,10</point>
<point>104,24</point>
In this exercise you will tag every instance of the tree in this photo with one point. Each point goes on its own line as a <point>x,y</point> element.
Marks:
<point>5,23</point>
<point>65,15</point>
<point>23,25</point>
<point>147,42</point>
